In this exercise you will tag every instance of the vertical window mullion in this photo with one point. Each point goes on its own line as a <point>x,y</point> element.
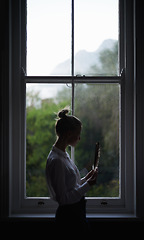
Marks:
<point>72,43</point>
<point>72,66</point>
<point>72,53</point>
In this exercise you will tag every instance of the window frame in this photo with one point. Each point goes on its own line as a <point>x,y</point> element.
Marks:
<point>18,203</point>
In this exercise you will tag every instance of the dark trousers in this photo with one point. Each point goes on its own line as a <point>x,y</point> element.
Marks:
<point>72,216</point>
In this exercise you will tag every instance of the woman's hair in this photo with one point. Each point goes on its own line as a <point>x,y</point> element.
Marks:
<point>66,123</point>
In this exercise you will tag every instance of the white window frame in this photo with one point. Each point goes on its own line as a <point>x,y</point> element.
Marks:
<point>96,207</point>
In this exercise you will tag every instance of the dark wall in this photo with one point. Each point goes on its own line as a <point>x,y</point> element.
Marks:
<point>4,106</point>
<point>140,104</point>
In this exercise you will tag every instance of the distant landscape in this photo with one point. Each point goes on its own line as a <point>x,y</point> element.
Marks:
<point>87,62</point>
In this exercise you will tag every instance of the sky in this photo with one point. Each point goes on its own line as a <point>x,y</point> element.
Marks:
<point>49,30</point>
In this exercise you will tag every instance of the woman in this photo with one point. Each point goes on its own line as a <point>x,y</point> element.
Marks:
<point>63,177</point>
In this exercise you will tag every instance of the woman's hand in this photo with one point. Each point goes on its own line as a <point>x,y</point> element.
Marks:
<point>91,177</point>
<point>89,174</point>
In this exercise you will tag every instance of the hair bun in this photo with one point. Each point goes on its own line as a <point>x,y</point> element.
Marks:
<point>63,113</point>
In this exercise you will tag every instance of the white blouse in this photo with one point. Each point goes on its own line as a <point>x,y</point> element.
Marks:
<point>63,178</point>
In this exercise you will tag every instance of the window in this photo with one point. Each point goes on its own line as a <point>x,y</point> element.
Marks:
<point>91,51</point>
<point>77,55</point>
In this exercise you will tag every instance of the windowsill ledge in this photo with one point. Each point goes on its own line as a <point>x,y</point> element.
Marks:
<point>109,216</point>
<point>91,216</point>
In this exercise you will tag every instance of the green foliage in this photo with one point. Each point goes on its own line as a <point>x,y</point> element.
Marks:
<point>40,138</point>
<point>105,190</point>
<point>109,62</point>
<point>97,105</point>
<point>98,108</point>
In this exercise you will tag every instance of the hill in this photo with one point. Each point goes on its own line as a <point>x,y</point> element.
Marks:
<point>84,60</point>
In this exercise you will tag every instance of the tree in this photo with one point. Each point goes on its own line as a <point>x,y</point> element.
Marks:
<point>108,62</point>
<point>98,108</point>
<point>40,136</point>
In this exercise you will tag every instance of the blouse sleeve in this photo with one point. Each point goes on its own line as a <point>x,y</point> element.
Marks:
<point>83,180</point>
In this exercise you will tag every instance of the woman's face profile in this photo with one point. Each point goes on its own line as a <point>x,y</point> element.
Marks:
<point>74,137</point>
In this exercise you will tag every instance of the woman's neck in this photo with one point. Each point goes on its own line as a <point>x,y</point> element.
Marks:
<point>61,144</point>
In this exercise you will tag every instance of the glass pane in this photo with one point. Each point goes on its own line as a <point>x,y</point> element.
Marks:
<point>48,37</point>
<point>96,37</point>
<point>97,106</point>
<point>42,102</point>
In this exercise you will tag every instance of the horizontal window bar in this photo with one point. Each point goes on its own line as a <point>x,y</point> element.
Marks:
<point>78,79</point>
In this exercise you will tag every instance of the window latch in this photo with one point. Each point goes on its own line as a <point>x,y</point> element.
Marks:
<point>23,73</point>
<point>79,75</point>
<point>104,203</point>
<point>122,72</point>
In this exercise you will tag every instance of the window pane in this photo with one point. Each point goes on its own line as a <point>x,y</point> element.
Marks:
<point>97,106</point>
<point>96,37</point>
<point>42,102</point>
<point>48,37</point>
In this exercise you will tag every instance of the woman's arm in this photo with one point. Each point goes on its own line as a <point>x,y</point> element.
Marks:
<point>58,172</point>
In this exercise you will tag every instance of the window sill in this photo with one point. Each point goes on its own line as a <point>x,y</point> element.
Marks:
<point>93,217</point>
